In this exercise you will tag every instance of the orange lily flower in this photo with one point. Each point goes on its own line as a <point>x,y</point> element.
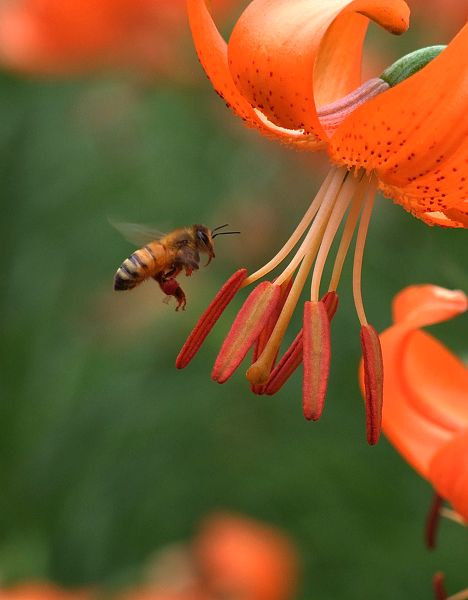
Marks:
<point>57,37</point>
<point>291,70</point>
<point>425,414</point>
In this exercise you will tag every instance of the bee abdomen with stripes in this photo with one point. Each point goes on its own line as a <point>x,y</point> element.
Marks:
<point>134,269</point>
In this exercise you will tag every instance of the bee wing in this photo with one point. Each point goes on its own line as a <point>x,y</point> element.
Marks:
<point>137,234</point>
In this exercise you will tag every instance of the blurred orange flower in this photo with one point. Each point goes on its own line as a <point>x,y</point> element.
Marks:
<point>231,557</point>
<point>291,70</point>
<point>42,591</point>
<point>425,414</point>
<point>244,559</point>
<point>61,37</point>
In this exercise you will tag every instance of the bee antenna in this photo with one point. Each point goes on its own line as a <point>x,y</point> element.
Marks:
<point>224,233</point>
<point>220,227</point>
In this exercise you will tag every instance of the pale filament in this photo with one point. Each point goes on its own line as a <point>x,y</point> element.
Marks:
<point>448,513</point>
<point>350,189</point>
<point>260,370</point>
<point>347,235</point>
<point>331,194</point>
<point>296,235</point>
<point>359,252</point>
<point>463,595</point>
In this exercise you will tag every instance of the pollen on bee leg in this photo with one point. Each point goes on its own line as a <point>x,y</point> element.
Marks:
<point>373,381</point>
<point>247,326</point>
<point>316,359</point>
<point>292,358</point>
<point>209,318</point>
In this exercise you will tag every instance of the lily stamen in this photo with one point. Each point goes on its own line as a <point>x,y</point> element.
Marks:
<point>347,193</point>
<point>346,237</point>
<point>359,252</point>
<point>259,372</point>
<point>311,242</point>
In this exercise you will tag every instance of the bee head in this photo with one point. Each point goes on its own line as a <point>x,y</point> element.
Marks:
<point>204,241</point>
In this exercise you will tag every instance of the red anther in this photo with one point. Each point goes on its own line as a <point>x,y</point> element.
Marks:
<point>316,359</point>
<point>247,326</point>
<point>330,299</point>
<point>289,362</point>
<point>438,585</point>
<point>373,382</point>
<point>266,333</point>
<point>292,358</point>
<point>432,521</point>
<point>208,319</point>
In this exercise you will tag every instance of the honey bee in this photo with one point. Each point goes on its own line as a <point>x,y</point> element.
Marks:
<point>164,256</point>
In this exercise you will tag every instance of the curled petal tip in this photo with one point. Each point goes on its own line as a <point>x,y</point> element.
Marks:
<point>373,382</point>
<point>316,358</point>
<point>428,304</point>
<point>247,326</point>
<point>208,319</point>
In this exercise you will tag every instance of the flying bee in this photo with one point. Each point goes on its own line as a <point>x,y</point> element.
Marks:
<point>164,256</point>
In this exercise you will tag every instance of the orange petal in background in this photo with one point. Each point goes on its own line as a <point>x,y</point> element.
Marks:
<point>425,386</point>
<point>243,558</point>
<point>448,473</point>
<point>414,137</point>
<point>212,52</point>
<point>277,44</point>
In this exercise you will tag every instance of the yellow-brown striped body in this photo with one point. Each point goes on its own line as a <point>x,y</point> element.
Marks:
<point>164,259</point>
<point>142,264</point>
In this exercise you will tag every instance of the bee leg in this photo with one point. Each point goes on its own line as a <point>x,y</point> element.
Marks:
<point>181,298</point>
<point>171,287</point>
<point>190,268</point>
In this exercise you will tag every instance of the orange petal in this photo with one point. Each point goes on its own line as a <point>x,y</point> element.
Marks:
<point>414,136</point>
<point>212,52</point>
<point>287,56</point>
<point>448,473</point>
<point>427,304</point>
<point>425,386</point>
<point>413,435</point>
<point>438,381</point>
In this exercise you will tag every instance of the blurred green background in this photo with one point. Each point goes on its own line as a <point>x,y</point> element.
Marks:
<point>107,452</point>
